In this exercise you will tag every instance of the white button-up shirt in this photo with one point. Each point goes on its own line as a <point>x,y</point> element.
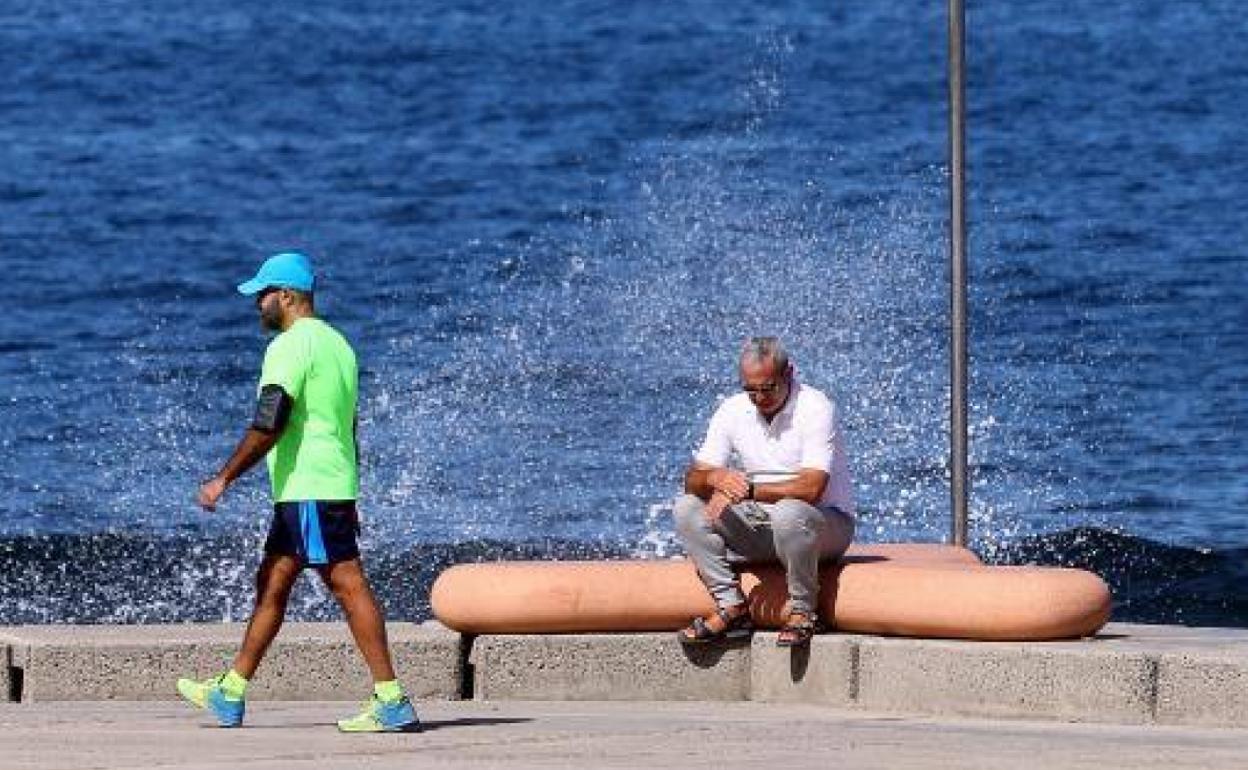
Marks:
<point>804,434</point>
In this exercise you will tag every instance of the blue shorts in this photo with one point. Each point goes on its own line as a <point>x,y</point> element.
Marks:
<point>316,532</point>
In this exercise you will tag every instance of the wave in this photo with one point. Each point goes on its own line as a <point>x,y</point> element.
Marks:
<point>139,578</point>
<point>1152,582</point>
<point>127,579</point>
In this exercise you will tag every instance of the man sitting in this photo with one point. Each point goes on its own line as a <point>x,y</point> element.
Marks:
<point>789,500</point>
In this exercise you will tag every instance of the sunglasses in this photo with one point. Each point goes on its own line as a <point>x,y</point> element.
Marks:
<point>765,389</point>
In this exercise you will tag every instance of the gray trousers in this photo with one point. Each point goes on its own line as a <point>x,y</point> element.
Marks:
<point>791,532</point>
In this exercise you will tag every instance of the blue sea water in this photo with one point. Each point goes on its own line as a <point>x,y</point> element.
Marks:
<point>546,226</point>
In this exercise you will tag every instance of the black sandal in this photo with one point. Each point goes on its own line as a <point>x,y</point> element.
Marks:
<point>798,634</point>
<point>735,627</point>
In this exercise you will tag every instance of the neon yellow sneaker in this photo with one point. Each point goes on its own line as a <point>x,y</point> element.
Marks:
<point>382,717</point>
<point>210,696</point>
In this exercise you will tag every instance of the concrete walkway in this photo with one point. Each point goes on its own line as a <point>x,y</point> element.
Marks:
<point>127,735</point>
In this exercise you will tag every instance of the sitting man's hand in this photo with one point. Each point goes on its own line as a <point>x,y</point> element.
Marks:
<point>730,483</point>
<point>716,506</point>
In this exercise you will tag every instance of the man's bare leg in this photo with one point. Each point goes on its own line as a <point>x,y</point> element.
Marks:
<point>274,579</point>
<point>350,587</point>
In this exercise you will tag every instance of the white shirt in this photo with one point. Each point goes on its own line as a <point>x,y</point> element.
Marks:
<point>804,434</point>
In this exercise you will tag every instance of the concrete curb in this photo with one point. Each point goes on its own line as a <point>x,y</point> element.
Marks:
<point>1130,674</point>
<point>1034,680</point>
<point>1202,690</point>
<point>309,661</point>
<point>6,673</point>
<point>1134,674</point>
<point>826,672</point>
<point>607,667</point>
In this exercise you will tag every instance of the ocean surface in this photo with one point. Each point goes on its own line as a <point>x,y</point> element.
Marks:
<point>547,225</point>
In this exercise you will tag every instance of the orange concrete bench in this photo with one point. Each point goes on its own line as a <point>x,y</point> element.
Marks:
<point>896,589</point>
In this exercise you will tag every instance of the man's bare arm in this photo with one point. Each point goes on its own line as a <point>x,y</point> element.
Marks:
<point>253,446</point>
<point>273,409</point>
<point>807,487</point>
<point>704,480</point>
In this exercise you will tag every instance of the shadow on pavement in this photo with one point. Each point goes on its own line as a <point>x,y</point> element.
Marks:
<point>438,724</point>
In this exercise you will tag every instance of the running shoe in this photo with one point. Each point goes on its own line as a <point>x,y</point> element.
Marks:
<point>209,695</point>
<point>381,717</point>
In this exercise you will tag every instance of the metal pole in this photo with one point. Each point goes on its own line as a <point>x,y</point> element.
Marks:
<point>957,277</point>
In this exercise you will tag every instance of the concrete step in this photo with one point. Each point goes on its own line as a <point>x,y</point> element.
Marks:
<point>309,661</point>
<point>603,667</point>
<point>1129,674</point>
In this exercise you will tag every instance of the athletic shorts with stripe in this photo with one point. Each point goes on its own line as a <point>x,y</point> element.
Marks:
<point>316,532</point>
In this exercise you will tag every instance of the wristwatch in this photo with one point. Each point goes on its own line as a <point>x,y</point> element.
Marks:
<point>749,490</point>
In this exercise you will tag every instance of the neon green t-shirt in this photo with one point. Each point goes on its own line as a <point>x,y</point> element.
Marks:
<point>315,457</point>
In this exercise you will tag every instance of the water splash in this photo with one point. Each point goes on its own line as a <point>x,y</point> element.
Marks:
<point>580,372</point>
<point>548,387</point>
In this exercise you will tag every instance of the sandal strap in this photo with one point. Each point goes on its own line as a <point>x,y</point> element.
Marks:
<point>700,629</point>
<point>735,622</point>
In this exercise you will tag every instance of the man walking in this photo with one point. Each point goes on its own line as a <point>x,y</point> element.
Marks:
<point>305,425</point>
<point>787,497</point>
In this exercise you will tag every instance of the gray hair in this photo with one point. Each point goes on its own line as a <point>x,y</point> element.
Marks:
<point>766,349</point>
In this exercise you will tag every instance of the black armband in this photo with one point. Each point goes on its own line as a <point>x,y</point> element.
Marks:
<point>272,410</point>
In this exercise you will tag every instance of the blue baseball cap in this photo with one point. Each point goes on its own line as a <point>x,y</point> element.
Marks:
<point>288,270</point>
